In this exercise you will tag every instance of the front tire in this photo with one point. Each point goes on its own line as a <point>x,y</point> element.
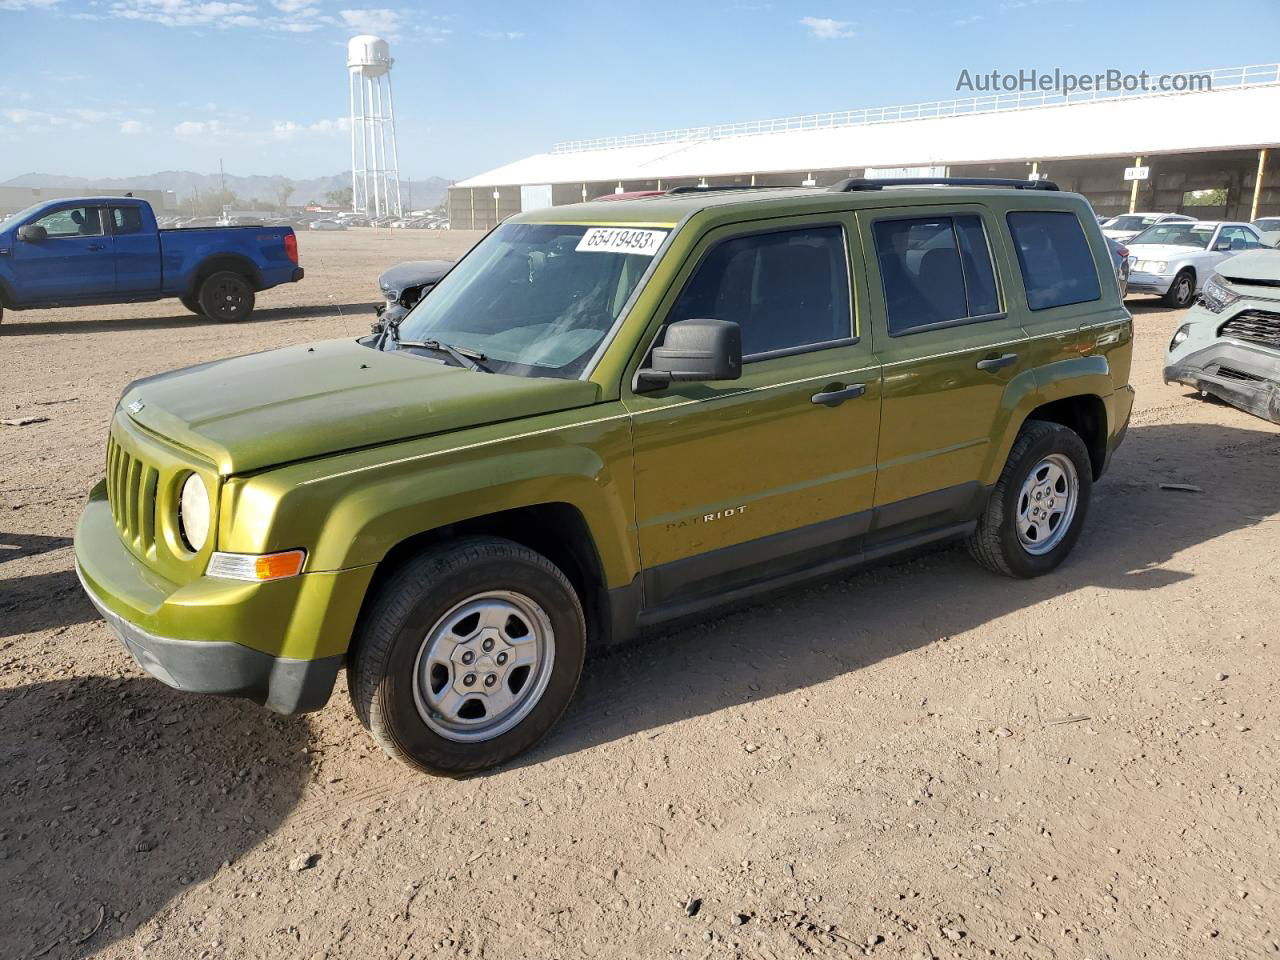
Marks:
<point>468,655</point>
<point>226,296</point>
<point>1182,292</point>
<point>1038,505</point>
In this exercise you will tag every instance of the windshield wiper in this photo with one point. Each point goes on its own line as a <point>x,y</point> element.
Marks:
<point>471,359</point>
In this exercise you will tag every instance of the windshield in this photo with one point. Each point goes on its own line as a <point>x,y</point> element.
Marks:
<point>1268,223</point>
<point>1129,222</point>
<point>23,214</point>
<point>1176,234</point>
<point>535,299</point>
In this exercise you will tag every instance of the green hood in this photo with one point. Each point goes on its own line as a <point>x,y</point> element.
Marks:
<point>269,408</point>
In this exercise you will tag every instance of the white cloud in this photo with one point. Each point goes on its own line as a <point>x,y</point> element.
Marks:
<point>292,16</point>
<point>825,28</point>
<point>382,22</point>
<point>22,116</point>
<point>187,13</point>
<point>15,5</point>
<point>289,130</point>
<point>193,129</point>
<point>967,21</point>
<point>133,127</point>
<point>502,34</point>
<point>90,116</point>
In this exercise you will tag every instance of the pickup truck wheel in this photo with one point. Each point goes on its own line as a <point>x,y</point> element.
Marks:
<point>192,304</point>
<point>226,296</point>
<point>467,655</point>
<point>1183,290</point>
<point>1038,505</point>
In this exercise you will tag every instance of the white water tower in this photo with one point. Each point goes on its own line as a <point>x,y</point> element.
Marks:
<point>375,164</point>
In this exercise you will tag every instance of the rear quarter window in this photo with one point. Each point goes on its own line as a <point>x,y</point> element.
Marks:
<point>1054,257</point>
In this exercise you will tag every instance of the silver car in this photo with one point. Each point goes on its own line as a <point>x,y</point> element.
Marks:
<point>1173,260</point>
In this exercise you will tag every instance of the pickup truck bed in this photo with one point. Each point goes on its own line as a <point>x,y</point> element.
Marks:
<point>100,250</point>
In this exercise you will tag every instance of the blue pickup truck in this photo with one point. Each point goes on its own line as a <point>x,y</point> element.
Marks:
<point>95,250</point>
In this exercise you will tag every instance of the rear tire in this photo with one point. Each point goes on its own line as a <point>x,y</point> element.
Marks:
<point>1038,505</point>
<point>226,296</point>
<point>1182,292</point>
<point>467,656</point>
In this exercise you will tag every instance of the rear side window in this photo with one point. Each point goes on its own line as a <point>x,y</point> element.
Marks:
<point>786,289</point>
<point>126,220</point>
<point>935,271</point>
<point>1055,259</point>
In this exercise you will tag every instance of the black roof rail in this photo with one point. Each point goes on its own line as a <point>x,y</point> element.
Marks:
<point>853,184</point>
<point>698,188</point>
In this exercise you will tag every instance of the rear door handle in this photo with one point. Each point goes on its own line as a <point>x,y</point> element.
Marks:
<point>995,363</point>
<point>833,398</point>
<point>95,246</point>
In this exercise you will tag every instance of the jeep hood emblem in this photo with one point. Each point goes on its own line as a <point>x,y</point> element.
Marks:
<point>136,406</point>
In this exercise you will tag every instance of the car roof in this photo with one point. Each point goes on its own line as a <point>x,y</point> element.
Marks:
<point>669,209</point>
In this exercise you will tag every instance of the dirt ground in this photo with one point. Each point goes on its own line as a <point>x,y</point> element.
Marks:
<point>921,760</point>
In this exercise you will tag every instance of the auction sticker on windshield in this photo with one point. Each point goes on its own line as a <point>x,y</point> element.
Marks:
<point>621,240</point>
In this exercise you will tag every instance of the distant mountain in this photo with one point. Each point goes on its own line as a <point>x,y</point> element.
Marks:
<point>420,194</point>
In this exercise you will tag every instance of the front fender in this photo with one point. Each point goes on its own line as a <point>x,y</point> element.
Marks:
<point>351,510</point>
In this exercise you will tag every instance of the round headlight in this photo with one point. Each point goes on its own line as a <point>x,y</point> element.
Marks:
<point>193,513</point>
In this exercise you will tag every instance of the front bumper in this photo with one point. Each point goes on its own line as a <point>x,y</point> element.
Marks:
<point>1244,376</point>
<point>279,643</point>
<point>1149,283</point>
<point>198,666</point>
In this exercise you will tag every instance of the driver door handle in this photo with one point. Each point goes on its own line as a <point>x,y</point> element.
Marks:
<point>833,398</point>
<point>995,363</point>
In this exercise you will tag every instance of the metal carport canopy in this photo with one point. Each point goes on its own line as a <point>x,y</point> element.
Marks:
<point>1232,118</point>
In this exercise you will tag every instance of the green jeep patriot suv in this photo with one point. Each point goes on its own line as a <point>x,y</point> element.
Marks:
<point>607,417</point>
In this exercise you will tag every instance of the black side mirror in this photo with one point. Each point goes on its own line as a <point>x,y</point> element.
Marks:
<point>695,351</point>
<point>33,233</point>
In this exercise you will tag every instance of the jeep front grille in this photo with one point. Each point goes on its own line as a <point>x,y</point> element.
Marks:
<point>131,491</point>
<point>1254,326</point>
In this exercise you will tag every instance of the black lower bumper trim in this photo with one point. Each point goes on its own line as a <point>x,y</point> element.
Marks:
<point>1244,375</point>
<point>230,669</point>
<point>298,274</point>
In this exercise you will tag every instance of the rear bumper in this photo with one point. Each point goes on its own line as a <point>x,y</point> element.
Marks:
<point>1243,376</point>
<point>198,666</point>
<point>298,274</point>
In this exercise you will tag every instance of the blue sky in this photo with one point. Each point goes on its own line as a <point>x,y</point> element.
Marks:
<point>122,87</point>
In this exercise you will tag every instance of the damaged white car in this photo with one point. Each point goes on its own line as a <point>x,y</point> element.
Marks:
<point>1229,347</point>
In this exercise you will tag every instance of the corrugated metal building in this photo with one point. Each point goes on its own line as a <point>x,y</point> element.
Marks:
<point>1210,140</point>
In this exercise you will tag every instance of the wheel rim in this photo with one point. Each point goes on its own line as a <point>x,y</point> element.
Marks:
<point>483,666</point>
<point>228,298</point>
<point>1047,504</point>
<point>1184,289</point>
